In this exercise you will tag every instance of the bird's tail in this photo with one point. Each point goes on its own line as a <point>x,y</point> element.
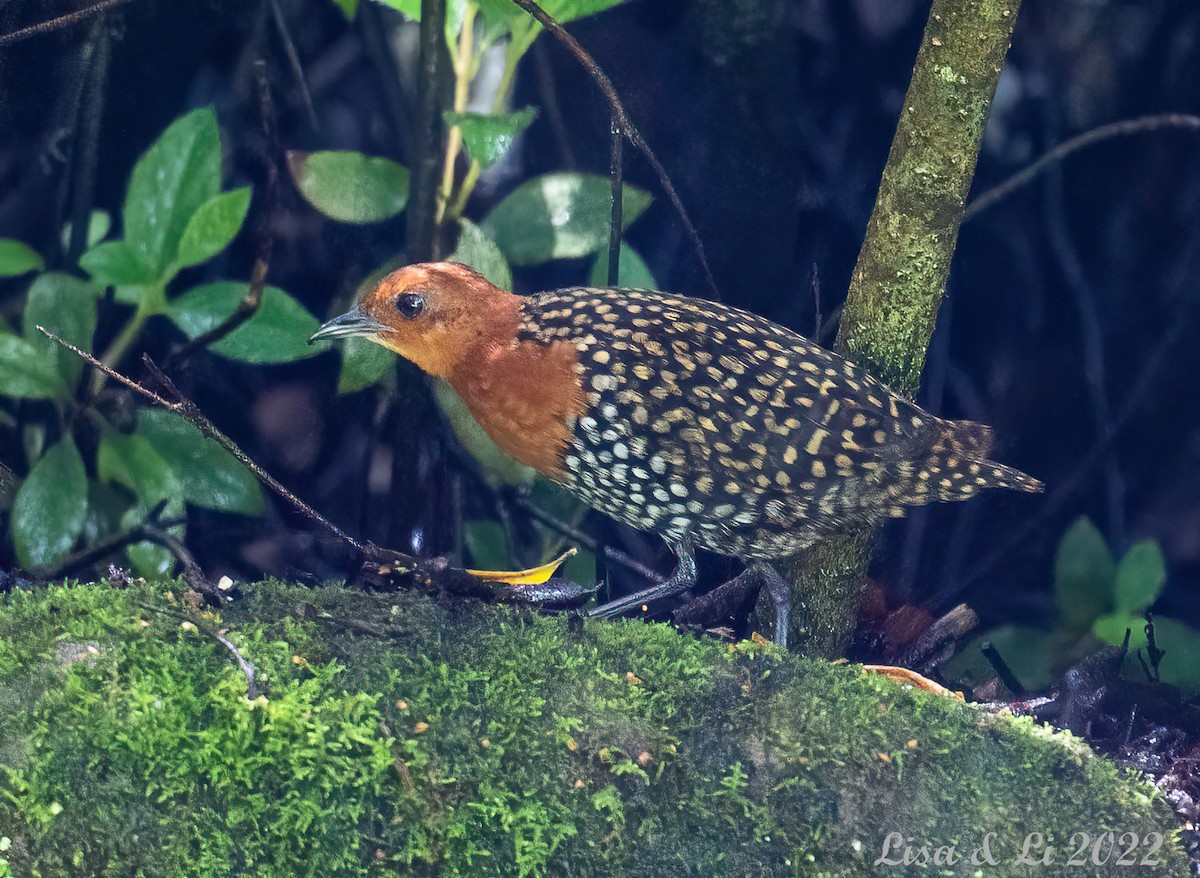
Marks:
<point>962,466</point>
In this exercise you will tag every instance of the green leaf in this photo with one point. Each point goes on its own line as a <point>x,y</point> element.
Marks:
<point>363,363</point>
<point>213,226</point>
<point>558,216</point>
<point>210,476</point>
<point>349,186</point>
<point>26,372</point>
<point>131,460</point>
<point>488,137</point>
<point>349,8</point>
<point>116,263</point>
<point>150,559</point>
<point>66,306</point>
<point>50,507</point>
<point>486,544</point>
<point>277,333</point>
<point>481,253</point>
<point>98,227</point>
<point>410,9</point>
<point>169,183</point>
<point>633,273</point>
<point>1084,573</point>
<point>496,464</point>
<point>1140,577</point>
<point>580,568</point>
<point>17,258</point>
<point>1111,628</point>
<point>569,10</point>
<point>1180,665</point>
<point>1034,656</point>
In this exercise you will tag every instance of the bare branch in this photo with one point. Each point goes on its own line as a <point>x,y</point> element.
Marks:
<point>243,663</point>
<point>1123,128</point>
<point>621,119</point>
<point>58,23</point>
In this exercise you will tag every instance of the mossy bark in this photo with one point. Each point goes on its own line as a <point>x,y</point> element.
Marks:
<point>396,736</point>
<point>902,268</point>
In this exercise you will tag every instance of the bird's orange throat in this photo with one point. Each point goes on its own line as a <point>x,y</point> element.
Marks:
<point>526,396</point>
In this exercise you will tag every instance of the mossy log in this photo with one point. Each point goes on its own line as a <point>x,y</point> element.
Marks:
<point>327,732</point>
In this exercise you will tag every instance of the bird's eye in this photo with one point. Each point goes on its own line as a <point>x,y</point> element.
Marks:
<point>410,305</point>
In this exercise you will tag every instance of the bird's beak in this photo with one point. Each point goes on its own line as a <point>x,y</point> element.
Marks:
<point>353,322</point>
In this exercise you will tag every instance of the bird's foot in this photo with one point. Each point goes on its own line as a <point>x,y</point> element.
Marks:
<point>682,579</point>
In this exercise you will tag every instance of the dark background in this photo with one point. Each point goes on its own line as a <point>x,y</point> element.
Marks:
<point>1069,324</point>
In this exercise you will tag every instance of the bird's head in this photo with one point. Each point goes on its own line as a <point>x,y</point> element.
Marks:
<point>439,315</point>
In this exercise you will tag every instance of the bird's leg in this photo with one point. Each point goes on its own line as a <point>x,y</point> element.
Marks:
<point>682,579</point>
<point>781,596</point>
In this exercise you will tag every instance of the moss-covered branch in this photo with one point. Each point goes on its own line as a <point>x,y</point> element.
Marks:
<point>901,274</point>
<point>399,737</point>
<point>898,282</point>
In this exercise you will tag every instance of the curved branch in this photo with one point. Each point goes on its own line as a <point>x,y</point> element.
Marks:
<point>622,120</point>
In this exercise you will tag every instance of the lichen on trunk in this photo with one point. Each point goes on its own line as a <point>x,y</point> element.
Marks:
<point>898,282</point>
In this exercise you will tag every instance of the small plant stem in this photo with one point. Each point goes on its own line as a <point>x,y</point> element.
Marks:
<point>463,69</point>
<point>150,305</point>
<point>511,57</point>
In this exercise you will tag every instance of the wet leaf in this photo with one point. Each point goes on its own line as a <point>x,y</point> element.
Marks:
<point>28,372</point>
<point>213,226</point>
<point>363,363</point>
<point>1140,577</point>
<point>496,464</point>
<point>116,263</point>
<point>487,137</point>
<point>209,475</point>
<point>1180,665</point>
<point>66,306</point>
<point>1084,573</point>
<point>169,183</point>
<point>558,216</point>
<point>50,507</point>
<point>349,186</point>
<point>349,8</point>
<point>569,10</point>
<point>278,331</point>
<point>146,558</point>
<point>17,258</point>
<point>131,461</point>
<point>486,544</point>
<point>480,252</point>
<point>1034,656</point>
<point>1111,629</point>
<point>633,273</point>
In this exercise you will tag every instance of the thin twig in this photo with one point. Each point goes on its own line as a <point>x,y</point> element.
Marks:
<point>1064,488</point>
<point>616,173</point>
<point>289,49</point>
<point>588,542</point>
<point>1003,671</point>
<point>188,410</point>
<point>57,23</point>
<point>114,544</point>
<point>627,128</point>
<point>1088,138</point>
<point>243,663</point>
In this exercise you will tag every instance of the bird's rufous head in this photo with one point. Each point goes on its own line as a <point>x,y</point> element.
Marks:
<point>439,315</point>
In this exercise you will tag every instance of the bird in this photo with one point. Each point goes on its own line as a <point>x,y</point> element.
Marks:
<point>704,423</point>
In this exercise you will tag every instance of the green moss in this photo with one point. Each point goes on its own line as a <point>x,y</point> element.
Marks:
<point>399,737</point>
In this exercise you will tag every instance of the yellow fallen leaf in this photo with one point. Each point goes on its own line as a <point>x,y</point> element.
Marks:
<point>532,576</point>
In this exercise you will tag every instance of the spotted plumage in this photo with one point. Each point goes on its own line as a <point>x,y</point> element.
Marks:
<point>707,420</point>
<point>706,424</point>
